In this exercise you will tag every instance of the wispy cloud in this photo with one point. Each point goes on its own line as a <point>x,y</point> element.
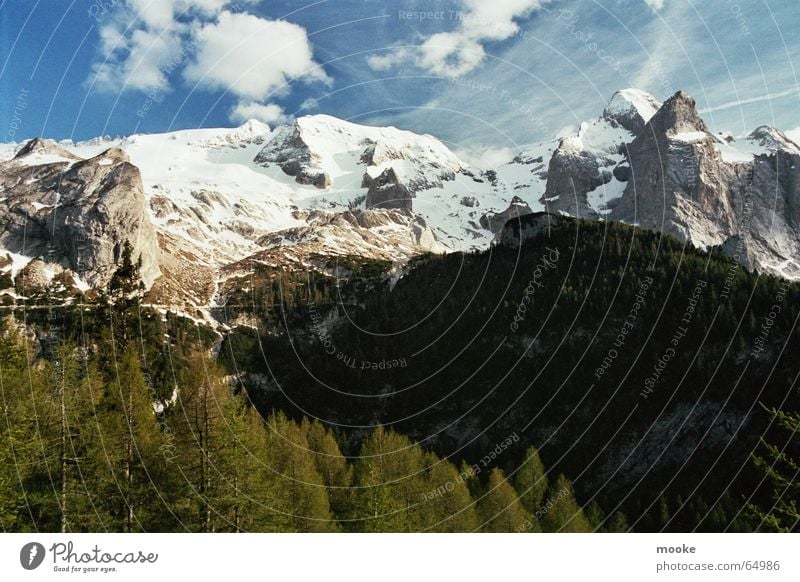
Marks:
<point>793,92</point>
<point>655,5</point>
<point>458,52</point>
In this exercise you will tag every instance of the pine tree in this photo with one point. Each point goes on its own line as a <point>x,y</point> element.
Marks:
<point>125,289</point>
<point>779,470</point>
<point>16,426</point>
<point>198,424</point>
<point>39,457</point>
<point>245,490</point>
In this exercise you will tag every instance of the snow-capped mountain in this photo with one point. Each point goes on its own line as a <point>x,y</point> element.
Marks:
<point>204,199</point>
<point>195,202</point>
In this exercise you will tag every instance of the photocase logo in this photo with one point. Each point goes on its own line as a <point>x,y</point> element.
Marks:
<point>31,555</point>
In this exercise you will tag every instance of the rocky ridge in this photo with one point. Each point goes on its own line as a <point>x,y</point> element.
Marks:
<point>195,201</point>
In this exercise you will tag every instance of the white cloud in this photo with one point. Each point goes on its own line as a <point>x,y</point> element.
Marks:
<point>487,157</point>
<point>271,114</point>
<point>455,53</point>
<point>145,43</point>
<point>142,60</point>
<point>451,54</point>
<point>251,57</point>
<point>154,14</point>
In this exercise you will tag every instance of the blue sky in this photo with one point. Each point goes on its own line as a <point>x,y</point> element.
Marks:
<point>477,74</point>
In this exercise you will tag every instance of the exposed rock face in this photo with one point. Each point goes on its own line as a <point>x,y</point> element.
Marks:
<point>586,172</point>
<point>67,207</point>
<point>386,191</point>
<point>367,233</point>
<point>573,173</point>
<point>312,149</point>
<point>622,172</point>
<point>516,232</point>
<point>679,182</point>
<point>494,221</point>
<point>291,153</point>
<point>76,213</point>
<point>36,276</point>
<point>43,147</point>
<point>682,184</point>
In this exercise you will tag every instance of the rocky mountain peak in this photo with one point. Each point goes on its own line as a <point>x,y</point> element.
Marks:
<point>678,115</point>
<point>252,128</point>
<point>631,109</point>
<point>111,157</point>
<point>772,140</point>
<point>43,147</point>
<point>84,212</point>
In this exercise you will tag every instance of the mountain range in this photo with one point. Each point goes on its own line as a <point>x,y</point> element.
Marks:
<point>202,207</point>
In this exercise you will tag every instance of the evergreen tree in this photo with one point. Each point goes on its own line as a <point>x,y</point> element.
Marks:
<point>245,489</point>
<point>16,426</point>
<point>125,289</point>
<point>779,470</point>
<point>198,425</point>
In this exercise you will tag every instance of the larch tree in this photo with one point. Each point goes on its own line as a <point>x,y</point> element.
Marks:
<point>449,507</point>
<point>301,492</point>
<point>500,508</point>
<point>133,439</point>
<point>562,512</point>
<point>337,474</point>
<point>530,481</point>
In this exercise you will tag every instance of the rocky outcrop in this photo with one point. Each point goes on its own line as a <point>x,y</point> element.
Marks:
<point>386,191</point>
<point>573,173</point>
<point>528,226</point>
<point>381,234</point>
<point>682,183</point>
<point>76,213</point>
<point>495,221</point>
<point>679,183</point>
<point>43,147</point>
<point>288,150</point>
<point>313,148</point>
